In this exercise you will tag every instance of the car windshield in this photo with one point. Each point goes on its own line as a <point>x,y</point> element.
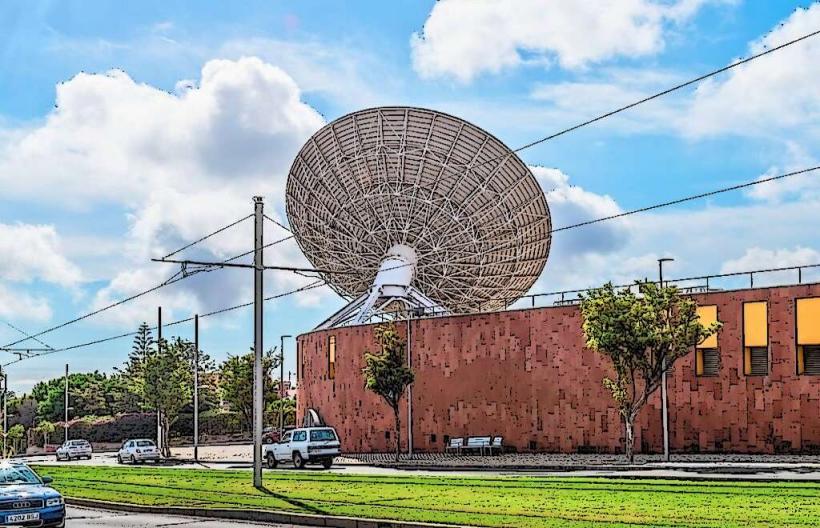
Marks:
<point>145,443</point>
<point>321,435</point>
<point>17,475</point>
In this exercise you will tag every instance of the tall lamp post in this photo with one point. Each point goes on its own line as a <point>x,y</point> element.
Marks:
<point>65,423</point>
<point>282,383</point>
<point>664,394</point>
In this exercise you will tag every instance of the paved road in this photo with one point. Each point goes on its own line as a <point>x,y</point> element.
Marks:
<point>81,517</point>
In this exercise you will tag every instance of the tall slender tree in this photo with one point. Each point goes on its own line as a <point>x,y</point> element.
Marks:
<point>387,375</point>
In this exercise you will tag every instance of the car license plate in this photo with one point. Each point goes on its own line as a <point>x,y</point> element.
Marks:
<point>21,517</point>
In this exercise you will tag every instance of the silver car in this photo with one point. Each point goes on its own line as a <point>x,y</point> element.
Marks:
<point>138,451</point>
<point>74,449</point>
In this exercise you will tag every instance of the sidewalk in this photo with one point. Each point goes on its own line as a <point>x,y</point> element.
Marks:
<point>532,462</point>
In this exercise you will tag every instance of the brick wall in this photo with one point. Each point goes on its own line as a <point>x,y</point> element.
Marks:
<point>525,375</point>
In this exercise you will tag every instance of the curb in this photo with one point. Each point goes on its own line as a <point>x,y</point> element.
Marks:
<point>260,516</point>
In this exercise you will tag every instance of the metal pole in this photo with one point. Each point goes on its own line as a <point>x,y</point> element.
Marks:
<point>281,384</point>
<point>196,388</point>
<point>409,392</point>
<point>65,424</point>
<point>664,394</point>
<point>258,299</point>
<point>5,410</point>
<point>159,350</point>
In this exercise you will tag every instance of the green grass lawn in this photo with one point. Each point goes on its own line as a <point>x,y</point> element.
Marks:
<point>515,501</point>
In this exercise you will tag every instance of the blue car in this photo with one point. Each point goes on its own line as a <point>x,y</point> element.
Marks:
<point>28,500</point>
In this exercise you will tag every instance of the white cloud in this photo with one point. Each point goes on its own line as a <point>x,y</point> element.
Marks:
<point>569,205</point>
<point>464,38</point>
<point>699,239</point>
<point>16,305</point>
<point>181,165</point>
<point>759,258</point>
<point>35,252</point>
<point>775,93</point>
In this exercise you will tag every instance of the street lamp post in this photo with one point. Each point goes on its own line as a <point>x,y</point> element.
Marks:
<point>282,383</point>
<point>65,423</point>
<point>664,394</point>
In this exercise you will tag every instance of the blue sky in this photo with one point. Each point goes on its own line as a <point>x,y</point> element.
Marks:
<point>210,101</point>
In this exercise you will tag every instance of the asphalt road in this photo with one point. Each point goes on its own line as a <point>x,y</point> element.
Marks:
<point>80,517</point>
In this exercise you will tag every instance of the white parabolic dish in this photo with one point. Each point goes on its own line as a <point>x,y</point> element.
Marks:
<point>466,214</point>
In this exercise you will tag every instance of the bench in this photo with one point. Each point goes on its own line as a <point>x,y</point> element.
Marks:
<point>455,445</point>
<point>477,443</point>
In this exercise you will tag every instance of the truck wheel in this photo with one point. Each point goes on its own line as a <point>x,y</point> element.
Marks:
<point>119,459</point>
<point>271,461</point>
<point>298,461</point>
<point>327,463</point>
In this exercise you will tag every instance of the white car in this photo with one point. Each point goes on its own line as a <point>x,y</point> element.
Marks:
<point>74,449</point>
<point>138,451</point>
<point>308,445</point>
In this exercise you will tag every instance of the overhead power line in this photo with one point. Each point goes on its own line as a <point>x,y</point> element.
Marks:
<point>688,198</point>
<point>313,285</point>
<point>278,223</point>
<point>178,276</point>
<point>664,92</point>
<point>195,242</point>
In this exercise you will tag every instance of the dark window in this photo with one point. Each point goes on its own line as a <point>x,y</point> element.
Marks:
<point>811,360</point>
<point>299,436</point>
<point>387,435</point>
<point>432,439</point>
<point>322,435</point>
<point>533,445</point>
<point>758,361</point>
<point>446,439</point>
<point>711,361</point>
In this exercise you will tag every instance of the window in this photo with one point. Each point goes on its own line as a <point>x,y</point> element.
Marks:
<point>755,339</point>
<point>331,357</point>
<point>322,435</point>
<point>808,336</point>
<point>709,363</point>
<point>433,438</point>
<point>811,360</point>
<point>299,436</point>
<point>756,361</point>
<point>707,355</point>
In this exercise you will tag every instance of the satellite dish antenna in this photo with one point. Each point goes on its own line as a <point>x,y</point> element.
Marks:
<point>418,209</point>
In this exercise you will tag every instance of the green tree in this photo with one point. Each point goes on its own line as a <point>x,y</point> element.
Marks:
<point>45,428</point>
<point>236,383</point>
<point>386,374</point>
<point>14,439</point>
<point>133,372</point>
<point>168,384</point>
<point>643,335</point>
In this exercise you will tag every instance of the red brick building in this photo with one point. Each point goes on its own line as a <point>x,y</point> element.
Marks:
<point>525,375</point>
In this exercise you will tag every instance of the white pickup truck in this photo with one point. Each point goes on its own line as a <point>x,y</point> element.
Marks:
<point>308,445</point>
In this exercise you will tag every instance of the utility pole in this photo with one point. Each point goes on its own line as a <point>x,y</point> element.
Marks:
<point>664,394</point>
<point>5,410</point>
<point>159,351</point>
<point>282,384</point>
<point>65,424</point>
<point>409,389</point>
<point>196,388</point>
<point>258,300</point>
